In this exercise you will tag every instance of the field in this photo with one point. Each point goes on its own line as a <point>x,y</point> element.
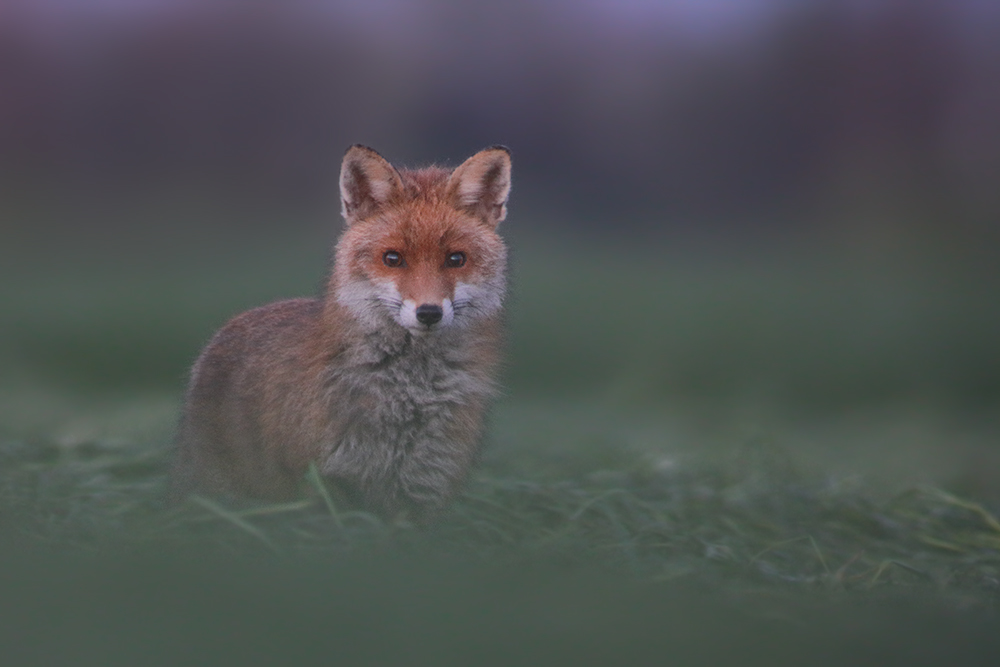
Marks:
<point>784,453</point>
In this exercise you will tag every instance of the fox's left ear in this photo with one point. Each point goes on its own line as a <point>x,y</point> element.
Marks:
<point>481,184</point>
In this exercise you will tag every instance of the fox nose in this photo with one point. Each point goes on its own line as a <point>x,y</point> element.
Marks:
<point>429,314</point>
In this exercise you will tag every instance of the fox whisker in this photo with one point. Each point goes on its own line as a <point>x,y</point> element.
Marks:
<point>388,302</point>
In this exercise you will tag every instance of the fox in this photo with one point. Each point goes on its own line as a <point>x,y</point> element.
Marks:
<point>383,380</point>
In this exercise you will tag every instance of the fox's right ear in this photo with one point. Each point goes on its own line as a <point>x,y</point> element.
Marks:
<point>367,183</point>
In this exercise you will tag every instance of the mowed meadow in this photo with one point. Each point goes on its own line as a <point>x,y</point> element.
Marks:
<point>703,452</point>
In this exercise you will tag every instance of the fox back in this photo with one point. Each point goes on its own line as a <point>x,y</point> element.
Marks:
<point>382,381</point>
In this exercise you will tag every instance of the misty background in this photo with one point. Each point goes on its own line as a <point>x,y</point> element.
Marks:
<point>728,219</point>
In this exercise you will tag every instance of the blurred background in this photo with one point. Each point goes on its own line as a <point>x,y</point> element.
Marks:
<point>765,219</point>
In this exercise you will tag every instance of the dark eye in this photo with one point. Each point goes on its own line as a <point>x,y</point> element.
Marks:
<point>455,260</point>
<point>392,258</point>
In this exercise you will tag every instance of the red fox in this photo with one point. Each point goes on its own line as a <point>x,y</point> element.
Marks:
<point>384,379</point>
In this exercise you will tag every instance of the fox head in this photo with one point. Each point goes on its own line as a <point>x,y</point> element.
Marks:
<point>421,250</point>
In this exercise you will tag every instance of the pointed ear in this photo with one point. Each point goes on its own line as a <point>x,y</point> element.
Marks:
<point>367,183</point>
<point>481,184</point>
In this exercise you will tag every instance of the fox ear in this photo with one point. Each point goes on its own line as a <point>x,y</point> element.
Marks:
<point>367,183</point>
<point>481,184</point>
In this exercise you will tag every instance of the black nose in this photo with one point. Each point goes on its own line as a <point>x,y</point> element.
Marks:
<point>429,314</point>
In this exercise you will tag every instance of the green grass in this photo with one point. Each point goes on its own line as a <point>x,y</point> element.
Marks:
<point>784,436</point>
<point>756,522</point>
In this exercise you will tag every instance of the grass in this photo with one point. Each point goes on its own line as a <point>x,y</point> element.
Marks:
<point>752,524</point>
<point>782,439</point>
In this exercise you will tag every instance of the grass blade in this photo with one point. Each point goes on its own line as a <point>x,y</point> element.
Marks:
<point>234,519</point>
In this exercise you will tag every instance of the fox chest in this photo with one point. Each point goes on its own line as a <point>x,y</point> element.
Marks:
<point>404,407</point>
<point>405,399</point>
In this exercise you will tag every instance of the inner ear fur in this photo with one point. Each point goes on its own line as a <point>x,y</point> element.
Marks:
<point>367,183</point>
<point>481,184</point>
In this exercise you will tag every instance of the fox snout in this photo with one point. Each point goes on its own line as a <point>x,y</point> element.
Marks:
<point>423,315</point>
<point>429,314</point>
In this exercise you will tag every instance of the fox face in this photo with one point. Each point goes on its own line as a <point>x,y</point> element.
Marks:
<point>421,251</point>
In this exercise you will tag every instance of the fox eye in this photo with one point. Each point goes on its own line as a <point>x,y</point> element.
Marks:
<point>455,260</point>
<point>392,259</point>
